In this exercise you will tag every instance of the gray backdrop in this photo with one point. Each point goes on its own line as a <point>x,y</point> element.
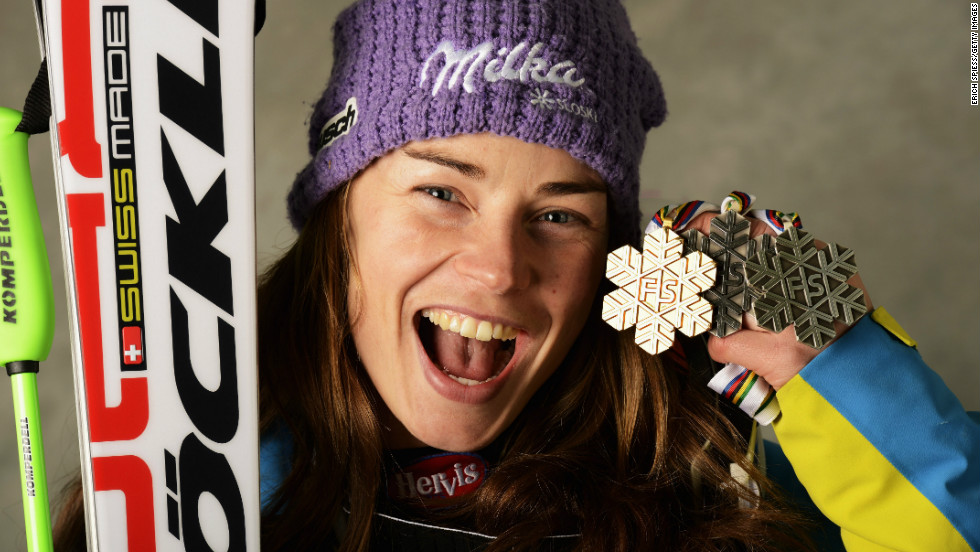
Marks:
<point>855,114</point>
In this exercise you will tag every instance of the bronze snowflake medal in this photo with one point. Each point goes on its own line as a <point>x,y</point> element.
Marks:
<point>659,290</point>
<point>797,284</point>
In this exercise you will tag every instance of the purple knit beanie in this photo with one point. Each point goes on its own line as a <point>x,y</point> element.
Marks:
<point>564,73</point>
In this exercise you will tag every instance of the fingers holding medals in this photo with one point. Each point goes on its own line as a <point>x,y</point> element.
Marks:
<point>775,356</point>
<point>797,296</point>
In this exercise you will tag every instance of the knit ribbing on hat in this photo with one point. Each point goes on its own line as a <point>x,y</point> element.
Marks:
<point>564,73</point>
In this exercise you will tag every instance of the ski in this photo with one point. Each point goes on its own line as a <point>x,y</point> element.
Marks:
<point>152,135</point>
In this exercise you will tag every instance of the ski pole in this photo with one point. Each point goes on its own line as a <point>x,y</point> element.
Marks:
<point>26,319</point>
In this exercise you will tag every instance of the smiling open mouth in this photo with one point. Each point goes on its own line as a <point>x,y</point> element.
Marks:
<point>468,350</point>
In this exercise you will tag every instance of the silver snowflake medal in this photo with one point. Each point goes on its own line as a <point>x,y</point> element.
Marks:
<point>659,290</point>
<point>729,245</point>
<point>797,284</point>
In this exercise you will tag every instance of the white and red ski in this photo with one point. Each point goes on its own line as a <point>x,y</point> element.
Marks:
<point>152,132</point>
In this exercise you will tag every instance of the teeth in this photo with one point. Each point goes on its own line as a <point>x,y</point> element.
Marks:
<point>468,326</point>
<point>484,331</point>
<point>466,381</point>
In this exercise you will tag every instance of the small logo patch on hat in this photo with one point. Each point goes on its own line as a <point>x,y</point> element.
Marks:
<point>544,100</point>
<point>340,124</point>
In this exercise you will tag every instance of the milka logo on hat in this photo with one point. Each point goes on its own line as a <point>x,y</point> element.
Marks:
<point>508,64</point>
<point>340,124</point>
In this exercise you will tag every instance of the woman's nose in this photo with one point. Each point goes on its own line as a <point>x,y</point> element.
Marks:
<point>497,257</point>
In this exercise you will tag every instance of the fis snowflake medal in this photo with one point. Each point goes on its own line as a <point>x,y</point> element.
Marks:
<point>730,246</point>
<point>797,284</point>
<point>659,290</point>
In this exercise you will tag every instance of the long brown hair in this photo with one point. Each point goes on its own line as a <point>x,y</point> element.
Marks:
<point>606,448</point>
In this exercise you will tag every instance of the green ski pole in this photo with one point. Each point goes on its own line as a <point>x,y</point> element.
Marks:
<point>26,318</point>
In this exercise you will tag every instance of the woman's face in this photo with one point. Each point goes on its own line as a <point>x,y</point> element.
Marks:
<point>476,261</point>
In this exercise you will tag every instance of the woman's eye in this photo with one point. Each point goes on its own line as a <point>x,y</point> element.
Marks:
<point>440,193</point>
<point>558,217</point>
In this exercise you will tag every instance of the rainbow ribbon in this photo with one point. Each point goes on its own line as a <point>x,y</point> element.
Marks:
<point>740,202</point>
<point>777,220</point>
<point>746,390</point>
<point>683,214</point>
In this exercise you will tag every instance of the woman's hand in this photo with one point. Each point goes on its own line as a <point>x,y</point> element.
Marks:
<point>776,357</point>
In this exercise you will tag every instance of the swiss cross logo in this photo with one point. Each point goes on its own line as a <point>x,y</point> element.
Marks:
<point>132,345</point>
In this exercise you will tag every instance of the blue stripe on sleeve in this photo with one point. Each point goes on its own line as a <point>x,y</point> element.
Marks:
<point>903,408</point>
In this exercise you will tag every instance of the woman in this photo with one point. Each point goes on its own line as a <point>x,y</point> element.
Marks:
<point>473,163</point>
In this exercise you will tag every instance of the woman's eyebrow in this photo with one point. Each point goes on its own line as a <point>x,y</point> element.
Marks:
<point>476,172</point>
<point>576,187</point>
<point>468,170</point>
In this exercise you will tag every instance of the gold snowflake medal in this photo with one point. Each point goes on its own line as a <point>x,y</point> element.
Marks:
<point>660,289</point>
<point>794,283</point>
